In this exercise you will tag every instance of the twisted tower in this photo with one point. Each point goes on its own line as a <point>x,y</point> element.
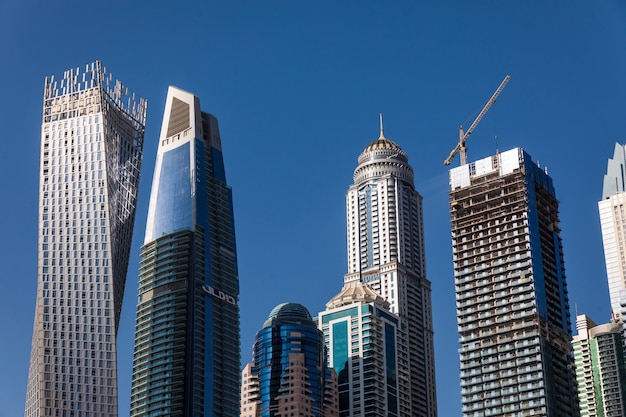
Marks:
<point>91,150</point>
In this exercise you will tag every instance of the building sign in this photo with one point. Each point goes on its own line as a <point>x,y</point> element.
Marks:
<point>370,278</point>
<point>219,294</point>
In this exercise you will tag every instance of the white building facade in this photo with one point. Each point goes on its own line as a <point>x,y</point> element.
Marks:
<point>613,225</point>
<point>91,152</point>
<point>386,252</point>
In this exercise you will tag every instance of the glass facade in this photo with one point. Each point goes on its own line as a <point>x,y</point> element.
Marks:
<point>91,152</point>
<point>289,364</point>
<point>173,209</point>
<point>362,338</point>
<point>340,363</point>
<point>187,350</point>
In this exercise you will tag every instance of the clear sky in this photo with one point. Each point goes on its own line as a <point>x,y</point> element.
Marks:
<point>297,87</point>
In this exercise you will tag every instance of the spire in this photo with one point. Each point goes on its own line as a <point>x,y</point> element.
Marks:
<point>382,130</point>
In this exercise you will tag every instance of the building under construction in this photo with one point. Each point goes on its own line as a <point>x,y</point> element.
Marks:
<point>511,295</point>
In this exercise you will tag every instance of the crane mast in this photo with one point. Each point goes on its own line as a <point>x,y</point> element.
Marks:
<point>460,147</point>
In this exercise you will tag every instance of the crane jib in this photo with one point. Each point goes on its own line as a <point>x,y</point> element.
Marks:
<point>460,147</point>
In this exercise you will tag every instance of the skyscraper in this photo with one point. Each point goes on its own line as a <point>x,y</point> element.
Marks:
<point>289,375</point>
<point>187,349</point>
<point>386,252</point>
<point>91,150</point>
<point>600,368</point>
<point>511,294</point>
<point>613,224</point>
<point>361,335</point>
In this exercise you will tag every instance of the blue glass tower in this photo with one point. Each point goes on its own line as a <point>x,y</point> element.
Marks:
<point>187,349</point>
<point>289,374</point>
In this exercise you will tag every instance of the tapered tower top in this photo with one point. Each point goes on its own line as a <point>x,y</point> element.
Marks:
<point>615,177</point>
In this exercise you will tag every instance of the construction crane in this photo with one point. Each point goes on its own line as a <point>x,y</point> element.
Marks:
<point>460,147</point>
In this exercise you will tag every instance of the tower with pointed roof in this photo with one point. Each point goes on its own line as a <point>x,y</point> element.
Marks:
<point>385,239</point>
<point>186,357</point>
<point>613,224</point>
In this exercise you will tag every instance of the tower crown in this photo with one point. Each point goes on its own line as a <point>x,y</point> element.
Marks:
<point>382,144</point>
<point>356,291</point>
<point>382,158</point>
<point>290,310</point>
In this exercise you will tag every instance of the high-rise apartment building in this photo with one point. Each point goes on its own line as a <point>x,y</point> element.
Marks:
<point>386,252</point>
<point>511,293</point>
<point>362,336</point>
<point>600,368</point>
<point>187,349</point>
<point>613,224</point>
<point>289,375</point>
<point>91,150</point>
<point>250,395</point>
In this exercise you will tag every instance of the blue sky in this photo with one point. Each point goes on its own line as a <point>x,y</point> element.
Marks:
<point>297,87</point>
